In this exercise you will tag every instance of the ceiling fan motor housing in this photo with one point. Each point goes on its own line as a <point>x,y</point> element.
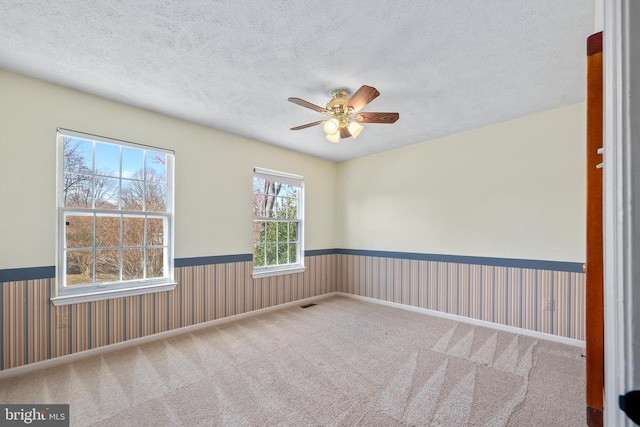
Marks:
<point>339,98</point>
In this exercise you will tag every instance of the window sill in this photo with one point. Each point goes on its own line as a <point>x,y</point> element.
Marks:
<point>116,293</point>
<point>257,274</point>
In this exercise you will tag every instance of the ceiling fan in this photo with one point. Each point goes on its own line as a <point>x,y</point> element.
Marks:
<point>345,119</point>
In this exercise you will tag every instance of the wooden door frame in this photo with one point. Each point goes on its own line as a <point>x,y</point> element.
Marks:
<point>594,265</point>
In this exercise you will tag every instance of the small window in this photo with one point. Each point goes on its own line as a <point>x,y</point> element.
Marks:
<point>115,218</point>
<point>277,223</point>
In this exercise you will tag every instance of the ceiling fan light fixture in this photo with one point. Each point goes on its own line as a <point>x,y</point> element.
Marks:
<point>331,126</point>
<point>355,129</point>
<point>343,110</point>
<point>333,137</point>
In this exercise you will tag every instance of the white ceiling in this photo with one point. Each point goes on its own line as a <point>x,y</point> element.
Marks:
<point>445,65</point>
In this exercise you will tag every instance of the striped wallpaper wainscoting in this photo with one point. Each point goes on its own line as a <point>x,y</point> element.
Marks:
<point>542,296</point>
<point>207,289</point>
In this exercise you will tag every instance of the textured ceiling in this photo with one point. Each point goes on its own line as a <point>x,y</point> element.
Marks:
<point>445,65</point>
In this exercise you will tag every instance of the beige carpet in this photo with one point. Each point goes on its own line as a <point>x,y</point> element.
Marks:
<point>341,362</point>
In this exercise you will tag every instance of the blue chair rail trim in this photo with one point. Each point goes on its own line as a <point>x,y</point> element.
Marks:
<point>573,267</point>
<point>28,273</point>
<point>318,252</point>
<point>206,260</point>
<point>48,272</point>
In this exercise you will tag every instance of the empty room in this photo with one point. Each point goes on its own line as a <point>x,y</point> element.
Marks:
<point>294,213</point>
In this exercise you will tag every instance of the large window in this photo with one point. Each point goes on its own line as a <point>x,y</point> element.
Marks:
<point>277,223</point>
<point>115,218</point>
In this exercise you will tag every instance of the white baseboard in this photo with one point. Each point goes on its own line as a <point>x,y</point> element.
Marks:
<point>477,322</point>
<point>31,367</point>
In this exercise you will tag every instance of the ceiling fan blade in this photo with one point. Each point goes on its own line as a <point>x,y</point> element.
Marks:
<point>308,125</point>
<point>362,97</point>
<point>344,133</point>
<point>307,104</point>
<point>377,117</point>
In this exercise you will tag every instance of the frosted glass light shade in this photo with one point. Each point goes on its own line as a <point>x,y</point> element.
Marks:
<point>331,126</point>
<point>334,137</point>
<point>355,129</point>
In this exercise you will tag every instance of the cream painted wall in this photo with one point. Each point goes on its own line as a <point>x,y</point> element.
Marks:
<point>515,190</point>
<point>213,173</point>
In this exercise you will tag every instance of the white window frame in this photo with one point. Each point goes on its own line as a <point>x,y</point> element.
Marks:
<point>94,292</point>
<point>297,181</point>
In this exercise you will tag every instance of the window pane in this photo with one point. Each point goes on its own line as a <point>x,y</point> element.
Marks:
<point>132,196</point>
<point>156,166</point>
<point>133,231</point>
<point>272,256</point>
<point>107,265</point>
<point>280,208</point>
<point>272,188</point>
<point>293,231</point>
<point>79,231</point>
<point>106,192</point>
<point>259,207</point>
<point>293,256</point>
<point>107,231</point>
<point>258,185</point>
<point>107,159</point>
<point>155,231</point>
<point>78,155</point>
<point>292,208</point>
<point>155,262</point>
<point>282,253</point>
<point>271,234</point>
<point>132,163</point>
<point>288,190</point>
<point>132,264</point>
<point>78,190</point>
<point>79,268</point>
<point>268,207</point>
<point>283,232</point>
<point>156,195</point>
<point>259,231</point>
<point>259,259</point>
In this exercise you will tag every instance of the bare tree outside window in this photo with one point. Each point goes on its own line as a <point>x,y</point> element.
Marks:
<point>276,223</point>
<point>114,200</point>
